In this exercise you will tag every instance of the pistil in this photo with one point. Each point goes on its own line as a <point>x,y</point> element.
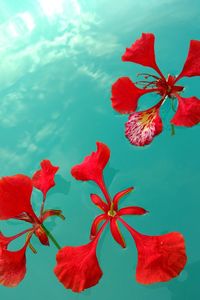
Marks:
<point>112,212</point>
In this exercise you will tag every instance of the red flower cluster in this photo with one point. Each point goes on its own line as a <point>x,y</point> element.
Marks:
<point>143,126</point>
<point>15,203</point>
<point>160,258</point>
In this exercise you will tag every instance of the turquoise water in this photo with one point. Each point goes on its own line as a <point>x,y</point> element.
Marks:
<point>58,61</point>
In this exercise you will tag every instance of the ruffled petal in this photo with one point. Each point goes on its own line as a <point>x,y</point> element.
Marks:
<point>43,179</point>
<point>77,267</point>
<point>116,233</point>
<point>132,210</point>
<point>119,195</point>
<point>93,165</point>
<point>142,52</point>
<point>192,63</point>
<point>12,263</point>
<point>143,126</point>
<point>160,258</point>
<point>95,225</point>
<point>188,112</point>
<point>125,95</point>
<point>15,196</point>
<point>99,202</point>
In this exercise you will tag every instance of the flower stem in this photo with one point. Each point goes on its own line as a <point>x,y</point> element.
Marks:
<point>51,237</point>
<point>172,130</point>
<point>173,105</point>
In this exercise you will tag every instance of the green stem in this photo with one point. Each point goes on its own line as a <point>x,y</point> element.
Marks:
<point>172,130</point>
<point>51,237</point>
<point>172,105</point>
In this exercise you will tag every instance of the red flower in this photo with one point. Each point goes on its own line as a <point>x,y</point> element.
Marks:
<point>143,126</point>
<point>15,203</point>
<point>160,258</point>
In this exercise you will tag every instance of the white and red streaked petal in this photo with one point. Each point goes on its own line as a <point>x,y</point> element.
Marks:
<point>192,63</point>
<point>116,233</point>
<point>125,95</point>
<point>119,195</point>
<point>143,126</point>
<point>188,112</point>
<point>12,263</point>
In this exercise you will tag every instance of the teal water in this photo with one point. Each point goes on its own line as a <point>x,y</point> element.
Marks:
<point>58,61</point>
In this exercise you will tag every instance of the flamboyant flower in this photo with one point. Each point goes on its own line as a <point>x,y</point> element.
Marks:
<point>15,203</point>
<point>160,258</point>
<point>143,126</point>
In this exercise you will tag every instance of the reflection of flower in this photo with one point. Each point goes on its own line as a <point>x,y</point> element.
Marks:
<point>160,258</point>
<point>143,126</point>
<point>15,203</point>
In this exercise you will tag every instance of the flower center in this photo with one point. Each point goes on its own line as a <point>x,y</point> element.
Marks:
<point>112,213</point>
<point>165,86</point>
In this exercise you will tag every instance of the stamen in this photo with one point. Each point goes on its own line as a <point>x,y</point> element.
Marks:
<point>32,248</point>
<point>146,76</point>
<point>28,237</point>
<point>150,83</point>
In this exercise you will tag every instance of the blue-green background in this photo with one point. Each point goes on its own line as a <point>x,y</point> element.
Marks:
<point>58,60</point>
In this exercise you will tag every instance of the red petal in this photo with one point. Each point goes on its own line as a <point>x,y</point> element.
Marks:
<point>43,179</point>
<point>160,258</point>
<point>132,210</point>
<point>119,195</point>
<point>192,63</point>
<point>142,52</point>
<point>188,112</point>
<point>125,95</point>
<point>15,196</point>
<point>95,225</point>
<point>99,202</point>
<point>12,264</point>
<point>92,166</point>
<point>116,232</point>
<point>77,267</point>
<point>143,126</point>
